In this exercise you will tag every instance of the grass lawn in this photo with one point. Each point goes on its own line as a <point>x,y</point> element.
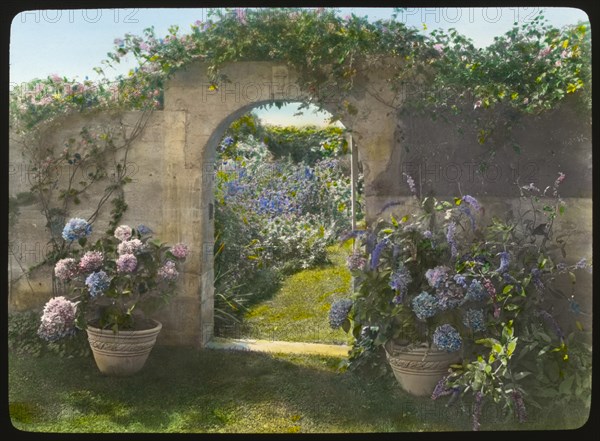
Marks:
<point>299,310</point>
<point>183,390</point>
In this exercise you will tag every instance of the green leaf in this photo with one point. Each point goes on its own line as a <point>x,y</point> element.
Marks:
<point>521,375</point>
<point>497,348</point>
<point>487,342</point>
<point>511,347</point>
<point>565,386</point>
<point>507,289</point>
<point>346,325</point>
<point>82,241</point>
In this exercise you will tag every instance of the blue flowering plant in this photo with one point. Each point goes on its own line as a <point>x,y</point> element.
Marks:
<point>112,283</point>
<point>487,291</point>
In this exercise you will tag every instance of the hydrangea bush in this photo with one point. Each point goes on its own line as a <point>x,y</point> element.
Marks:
<point>486,291</point>
<point>112,282</point>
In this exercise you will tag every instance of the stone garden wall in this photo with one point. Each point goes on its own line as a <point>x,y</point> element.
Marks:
<point>173,162</point>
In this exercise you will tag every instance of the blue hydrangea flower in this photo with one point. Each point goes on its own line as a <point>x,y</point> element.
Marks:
<point>338,312</point>
<point>474,319</point>
<point>446,338</point>
<point>461,280</point>
<point>143,229</point>
<point>476,292</point>
<point>76,229</point>
<point>97,283</point>
<point>228,141</point>
<point>424,305</point>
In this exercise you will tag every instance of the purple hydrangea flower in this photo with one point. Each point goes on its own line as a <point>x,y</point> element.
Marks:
<point>91,261</point>
<point>65,269</point>
<point>446,338</point>
<point>168,271</point>
<point>126,263</point>
<point>123,232</point>
<point>97,283</point>
<point>561,267</point>
<point>400,279</point>
<point>427,234</point>
<point>424,305</point>
<point>58,319</point>
<point>474,319</point>
<point>76,229</point>
<point>437,276</point>
<point>338,313</point>
<point>449,296</point>
<point>133,246</point>
<point>180,250</point>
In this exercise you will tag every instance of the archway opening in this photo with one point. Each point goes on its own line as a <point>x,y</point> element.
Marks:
<point>284,191</point>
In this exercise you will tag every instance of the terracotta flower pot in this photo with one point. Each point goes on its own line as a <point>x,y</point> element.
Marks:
<point>419,368</point>
<point>122,353</point>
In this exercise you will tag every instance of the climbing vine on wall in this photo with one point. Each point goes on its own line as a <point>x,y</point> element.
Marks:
<point>529,69</point>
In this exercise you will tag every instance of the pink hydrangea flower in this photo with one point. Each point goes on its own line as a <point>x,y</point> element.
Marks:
<point>439,48</point>
<point>58,319</point>
<point>66,269</point>
<point>180,250</point>
<point>126,263</point>
<point>168,271</point>
<point>133,246</point>
<point>91,261</point>
<point>123,232</point>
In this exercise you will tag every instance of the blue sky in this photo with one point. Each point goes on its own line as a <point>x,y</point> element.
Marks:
<point>72,42</point>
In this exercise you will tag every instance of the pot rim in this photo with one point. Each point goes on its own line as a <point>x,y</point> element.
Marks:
<point>99,331</point>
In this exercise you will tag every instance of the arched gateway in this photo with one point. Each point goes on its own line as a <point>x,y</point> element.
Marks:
<point>195,118</point>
